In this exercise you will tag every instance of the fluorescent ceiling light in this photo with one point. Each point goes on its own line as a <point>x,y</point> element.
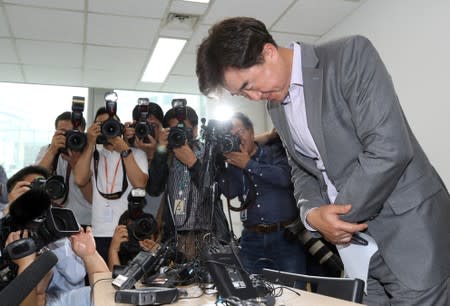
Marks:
<point>164,56</point>
<point>199,1</point>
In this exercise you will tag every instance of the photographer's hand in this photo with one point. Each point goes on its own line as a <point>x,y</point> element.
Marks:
<point>20,188</point>
<point>93,132</point>
<point>148,148</point>
<point>23,262</point>
<point>163,137</point>
<point>128,133</point>
<point>238,159</point>
<point>185,155</point>
<point>120,235</point>
<point>58,142</point>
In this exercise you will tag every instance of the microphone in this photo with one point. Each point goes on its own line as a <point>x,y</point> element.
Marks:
<point>19,288</point>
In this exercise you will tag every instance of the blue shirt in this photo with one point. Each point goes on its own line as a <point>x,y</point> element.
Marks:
<point>270,174</point>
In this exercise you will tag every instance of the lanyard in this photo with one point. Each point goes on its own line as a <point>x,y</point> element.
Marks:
<point>116,195</point>
<point>114,177</point>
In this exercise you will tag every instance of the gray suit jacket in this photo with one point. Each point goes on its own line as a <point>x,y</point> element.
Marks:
<point>373,159</point>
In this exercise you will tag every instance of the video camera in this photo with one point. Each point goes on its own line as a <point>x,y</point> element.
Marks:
<point>45,224</point>
<point>179,133</point>
<point>75,139</point>
<point>219,134</point>
<point>140,225</point>
<point>142,128</point>
<point>111,127</point>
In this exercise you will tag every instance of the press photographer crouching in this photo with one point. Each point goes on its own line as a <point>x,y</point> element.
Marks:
<point>135,231</point>
<point>31,192</point>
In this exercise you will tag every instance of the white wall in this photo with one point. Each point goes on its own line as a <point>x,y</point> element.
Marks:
<point>412,37</point>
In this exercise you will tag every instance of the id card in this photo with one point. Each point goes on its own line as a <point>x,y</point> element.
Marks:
<point>179,208</point>
<point>107,214</point>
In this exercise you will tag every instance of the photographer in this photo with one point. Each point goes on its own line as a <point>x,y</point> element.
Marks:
<point>112,170</point>
<point>69,272</point>
<point>259,175</point>
<point>60,160</point>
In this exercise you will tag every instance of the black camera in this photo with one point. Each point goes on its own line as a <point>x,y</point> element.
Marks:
<point>45,224</point>
<point>179,133</point>
<point>140,225</point>
<point>75,139</point>
<point>111,127</point>
<point>142,128</point>
<point>219,134</point>
<point>54,186</point>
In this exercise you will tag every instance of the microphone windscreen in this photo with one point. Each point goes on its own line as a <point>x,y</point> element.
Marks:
<point>19,288</point>
<point>28,206</point>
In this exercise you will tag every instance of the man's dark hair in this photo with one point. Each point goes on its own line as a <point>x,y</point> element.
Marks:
<point>153,109</point>
<point>102,110</point>
<point>191,116</point>
<point>246,122</point>
<point>232,43</point>
<point>22,173</point>
<point>68,116</point>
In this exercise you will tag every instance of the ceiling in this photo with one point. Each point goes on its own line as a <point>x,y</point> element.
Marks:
<point>107,43</point>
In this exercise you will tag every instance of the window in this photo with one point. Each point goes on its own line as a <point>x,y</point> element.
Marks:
<point>27,117</point>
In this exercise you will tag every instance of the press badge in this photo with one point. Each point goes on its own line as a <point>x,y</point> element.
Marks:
<point>180,207</point>
<point>108,214</point>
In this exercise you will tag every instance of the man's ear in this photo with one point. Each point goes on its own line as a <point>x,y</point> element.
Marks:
<point>269,50</point>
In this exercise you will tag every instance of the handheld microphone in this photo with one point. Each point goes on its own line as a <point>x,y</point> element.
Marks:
<point>19,288</point>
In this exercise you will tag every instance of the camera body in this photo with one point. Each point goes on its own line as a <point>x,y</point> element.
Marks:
<point>219,134</point>
<point>75,139</point>
<point>179,133</point>
<point>142,128</point>
<point>140,225</point>
<point>111,127</point>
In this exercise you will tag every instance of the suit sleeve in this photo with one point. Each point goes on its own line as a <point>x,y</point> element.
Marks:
<point>380,126</point>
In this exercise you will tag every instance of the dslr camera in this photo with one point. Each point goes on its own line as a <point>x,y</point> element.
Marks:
<point>45,224</point>
<point>140,225</point>
<point>142,128</point>
<point>111,127</point>
<point>219,134</point>
<point>179,133</point>
<point>75,139</point>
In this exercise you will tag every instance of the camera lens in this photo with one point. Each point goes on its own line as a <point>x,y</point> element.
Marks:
<point>144,228</point>
<point>76,141</point>
<point>141,130</point>
<point>111,128</point>
<point>177,137</point>
<point>230,143</point>
<point>55,187</point>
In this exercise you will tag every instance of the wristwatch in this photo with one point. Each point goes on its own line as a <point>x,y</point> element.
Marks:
<point>125,153</point>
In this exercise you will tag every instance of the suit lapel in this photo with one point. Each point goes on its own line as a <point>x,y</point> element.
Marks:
<point>312,89</point>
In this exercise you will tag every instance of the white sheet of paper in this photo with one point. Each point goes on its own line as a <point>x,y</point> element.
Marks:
<point>356,258</point>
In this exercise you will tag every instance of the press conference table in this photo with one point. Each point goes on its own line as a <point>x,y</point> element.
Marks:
<point>104,296</point>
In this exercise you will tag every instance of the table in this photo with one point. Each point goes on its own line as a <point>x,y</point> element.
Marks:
<point>104,296</point>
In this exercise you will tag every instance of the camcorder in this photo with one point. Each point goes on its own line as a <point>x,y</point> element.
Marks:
<point>75,139</point>
<point>219,134</point>
<point>142,128</point>
<point>140,225</point>
<point>45,224</point>
<point>111,127</point>
<point>179,133</point>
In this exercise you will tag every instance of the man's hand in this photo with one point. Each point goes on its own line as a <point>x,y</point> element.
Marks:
<point>238,159</point>
<point>58,141</point>
<point>148,148</point>
<point>149,245</point>
<point>83,243</point>
<point>326,220</point>
<point>119,144</point>
<point>185,155</point>
<point>120,235</point>
<point>23,262</point>
<point>20,188</point>
<point>71,157</point>
<point>93,132</point>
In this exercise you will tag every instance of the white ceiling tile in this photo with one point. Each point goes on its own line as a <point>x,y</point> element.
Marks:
<point>142,8</point>
<point>119,59</point>
<point>4,31</point>
<point>43,24</point>
<point>267,11</point>
<point>56,76</point>
<point>149,86</point>
<point>71,5</point>
<point>314,17</point>
<point>197,38</point>
<point>121,31</point>
<point>182,84</point>
<point>188,8</point>
<point>11,73</point>
<point>283,39</point>
<point>185,65</point>
<point>113,78</point>
<point>50,53</point>
<point>7,54</point>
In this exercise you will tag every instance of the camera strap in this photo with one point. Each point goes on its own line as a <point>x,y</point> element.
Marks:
<point>66,179</point>
<point>110,196</point>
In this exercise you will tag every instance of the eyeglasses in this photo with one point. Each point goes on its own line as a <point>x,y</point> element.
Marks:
<point>240,132</point>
